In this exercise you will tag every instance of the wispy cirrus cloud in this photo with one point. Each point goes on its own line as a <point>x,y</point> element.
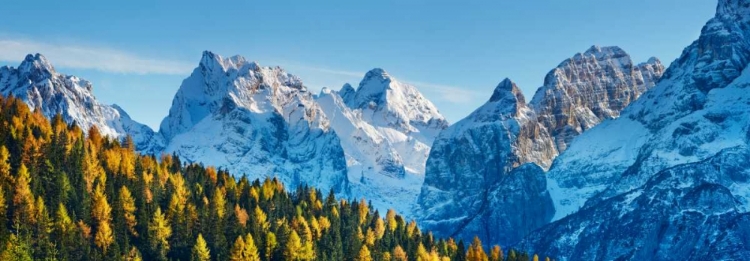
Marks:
<point>447,93</point>
<point>85,57</point>
<point>117,61</point>
<point>452,94</point>
<point>319,69</point>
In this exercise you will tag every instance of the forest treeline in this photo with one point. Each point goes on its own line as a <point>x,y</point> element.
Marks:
<point>65,195</point>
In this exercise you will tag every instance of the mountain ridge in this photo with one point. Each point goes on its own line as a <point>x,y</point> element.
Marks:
<point>485,153</point>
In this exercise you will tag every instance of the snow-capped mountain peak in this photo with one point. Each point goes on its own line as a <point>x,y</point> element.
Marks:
<point>216,63</point>
<point>386,129</point>
<point>36,65</point>
<point>40,86</point>
<point>372,91</point>
<point>254,120</point>
<point>387,102</point>
<point>666,163</point>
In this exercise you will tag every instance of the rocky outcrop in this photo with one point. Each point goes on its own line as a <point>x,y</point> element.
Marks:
<point>472,159</point>
<point>591,87</point>
<point>40,86</point>
<point>668,179</point>
<point>697,109</point>
<point>471,168</point>
<point>255,121</point>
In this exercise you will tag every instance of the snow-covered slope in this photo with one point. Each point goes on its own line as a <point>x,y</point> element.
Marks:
<point>37,83</point>
<point>386,128</point>
<point>693,211</point>
<point>479,157</point>
<point>386,102</point>
<point>668,178</point>
<point>695,111</point>
<point>255,121</point>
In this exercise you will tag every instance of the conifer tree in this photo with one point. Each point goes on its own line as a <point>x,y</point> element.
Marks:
<point>364,254</point>
<point>200,250</point>
<point>390,218</point>
<point>399,254</point>
<point>23,199</point>
<point>134,255</point>
<point>16,249</point>
<point>64,229</point>
<point>270,245</point>
<point>159,231</point>
<point>298,250</point>
<point>5,177</point>
<point>127,204</point>
<point>238,247</point>
<point>497,254</point>
<point>476,252</point>
<point>512,255</point>
<point>101,213</point>
<point>251,250</point>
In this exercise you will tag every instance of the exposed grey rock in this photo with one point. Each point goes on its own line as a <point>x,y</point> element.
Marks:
<point>591,87</point>
<point>470,160</point>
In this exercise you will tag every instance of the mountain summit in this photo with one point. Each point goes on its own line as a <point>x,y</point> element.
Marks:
<point>667,179</point>
<point>37,83</point>
<point>494,159</point>
<point>255,121</point>
<point>386,129</point>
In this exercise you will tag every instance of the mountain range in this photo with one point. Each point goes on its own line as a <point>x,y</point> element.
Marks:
<point>610,159</point>
<point>486,173</point>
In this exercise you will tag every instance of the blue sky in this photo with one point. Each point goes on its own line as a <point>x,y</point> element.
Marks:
<point>136,53</point>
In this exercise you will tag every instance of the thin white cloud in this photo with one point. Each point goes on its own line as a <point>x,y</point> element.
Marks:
<point>83,57</point>
<point>336,72</point>
<point>447,93</point>
<point>116,61</point>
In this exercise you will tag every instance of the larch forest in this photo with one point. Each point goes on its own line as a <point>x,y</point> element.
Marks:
<point>67,195</point>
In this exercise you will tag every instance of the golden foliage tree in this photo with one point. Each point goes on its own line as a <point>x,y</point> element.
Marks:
<point>101,213</point>
<point>159,232</point>
<point>200,250</point>
<point>23,199</point>
<point>364,254</point>
<point>496,254</point>
<point>476,252</point>
<point>399,254</point>
<point>298,250</point>
<point>127,203</point>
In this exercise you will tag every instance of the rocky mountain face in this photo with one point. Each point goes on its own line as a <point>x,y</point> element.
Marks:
<point>479,176</point>
<point>693,211</point>
<point>693,113</point>
<point>386,128</point>
<point>591,87</point>
<point>255,121</point>
<point>460,188</point>
<point>682,146</point>
<point>37,83</point>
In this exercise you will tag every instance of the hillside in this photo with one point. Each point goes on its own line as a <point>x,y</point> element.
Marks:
<point>69,196</point>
